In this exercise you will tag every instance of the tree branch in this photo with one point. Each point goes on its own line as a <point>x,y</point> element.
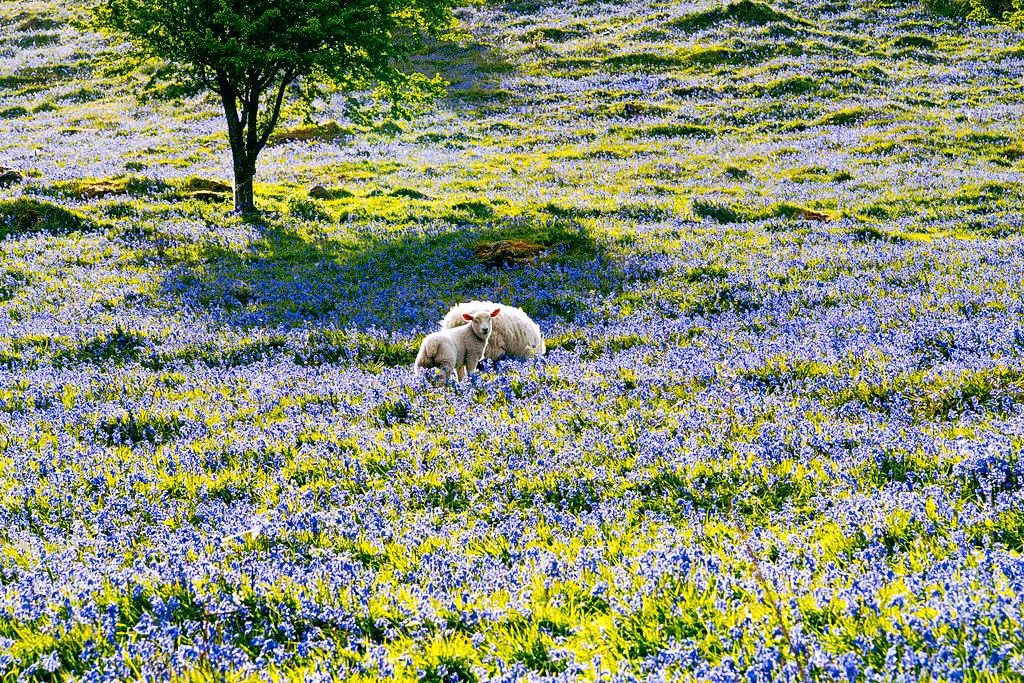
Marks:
<point>275,112</point>
<point>229,98</point>
<point>252,111</point>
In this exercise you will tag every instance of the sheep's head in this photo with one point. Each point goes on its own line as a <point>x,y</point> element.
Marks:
<point>481,322</point>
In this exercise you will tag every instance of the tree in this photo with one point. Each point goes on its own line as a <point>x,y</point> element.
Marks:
<point>256,54</point>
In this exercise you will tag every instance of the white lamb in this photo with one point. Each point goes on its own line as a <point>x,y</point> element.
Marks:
<point>458,349</point>
<point>514,333</point>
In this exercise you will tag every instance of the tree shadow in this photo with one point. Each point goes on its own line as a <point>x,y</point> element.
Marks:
<point>397,283</point>
<point>528,7</point>
<point>473,70</point>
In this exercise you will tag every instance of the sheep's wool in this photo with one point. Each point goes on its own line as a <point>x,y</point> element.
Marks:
<point>513,334</point>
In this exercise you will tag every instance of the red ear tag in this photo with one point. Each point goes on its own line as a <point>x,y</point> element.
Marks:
<point>496,312</point>
<point>467,316</point>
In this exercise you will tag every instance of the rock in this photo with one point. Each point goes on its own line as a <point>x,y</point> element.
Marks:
<point>208,196</point>
<point>320,192</point>
<point>8,176</point>
<point>508,252</point>
<point>205,185</point>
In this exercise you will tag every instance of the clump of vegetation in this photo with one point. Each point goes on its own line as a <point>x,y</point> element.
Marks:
<point>670,130</point>
<point>817,174</point>
<point>26,215</point>
<point>558,237</point>
<point>35,21</point>
<point>117,346</point>
<point>871,233</point>
<point>105,187</point>
<point>916,42</point>
<point>647,61</point>
<point>736,172</point>
<point>553,34</point>
<point>307,210</point>
<point>791,85</point>
<point>735,213</point>
<point>13,112</point>
<point>844,117</point>
<point>744,12</point>
<point>633,110</point>
<point>196,184</point>
<point>780,371</point>
<point>321,132</point>
<point>478,210</point>
<point>715,55</point>
<point>408,193</point>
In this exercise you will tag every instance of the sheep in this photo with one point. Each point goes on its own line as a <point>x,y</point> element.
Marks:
<point>514,333</point>
<point>457,349</point>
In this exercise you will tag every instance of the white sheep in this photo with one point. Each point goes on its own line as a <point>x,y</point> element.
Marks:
<point>457,349</point>
<point>514,333</point>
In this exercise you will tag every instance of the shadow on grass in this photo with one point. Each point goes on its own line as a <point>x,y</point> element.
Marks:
<point>397,283</point>
<point>525,6</point>
<point>473,70</point>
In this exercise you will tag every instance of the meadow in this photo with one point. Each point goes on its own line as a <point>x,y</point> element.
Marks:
<point>777,435</point>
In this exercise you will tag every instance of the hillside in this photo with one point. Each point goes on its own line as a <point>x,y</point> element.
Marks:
<point>777,434</point>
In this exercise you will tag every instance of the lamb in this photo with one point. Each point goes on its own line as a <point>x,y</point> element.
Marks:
<point>514,333</point>
<point>457,349</point>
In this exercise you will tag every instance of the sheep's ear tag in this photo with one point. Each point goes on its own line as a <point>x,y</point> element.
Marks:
<point>467,316</point>
<point>496,312</point>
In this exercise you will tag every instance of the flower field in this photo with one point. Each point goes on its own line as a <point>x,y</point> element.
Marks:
<point>776,436</point>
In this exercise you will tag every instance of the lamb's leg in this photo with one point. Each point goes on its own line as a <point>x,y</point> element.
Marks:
<point>472,364</point>
<point>461,372</point>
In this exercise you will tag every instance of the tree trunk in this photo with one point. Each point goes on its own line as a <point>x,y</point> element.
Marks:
<point>243,158</point>
<point>245,198</point>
